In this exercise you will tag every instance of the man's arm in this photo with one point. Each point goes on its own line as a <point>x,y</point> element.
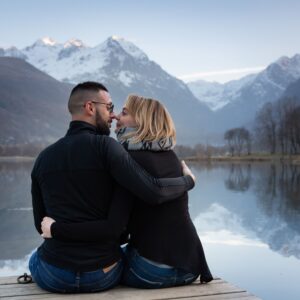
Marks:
<point>98,230</point>
<point>131,175</point>
<point>38,207</point>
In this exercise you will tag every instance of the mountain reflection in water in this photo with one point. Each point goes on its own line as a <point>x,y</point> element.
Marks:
<point>246,214</point>
<point>258,202</point>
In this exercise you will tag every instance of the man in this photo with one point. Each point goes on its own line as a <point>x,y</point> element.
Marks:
<point>72,181</point>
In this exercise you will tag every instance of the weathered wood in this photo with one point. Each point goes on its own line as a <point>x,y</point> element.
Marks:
<point>216,290</point>
<point>8,280</point>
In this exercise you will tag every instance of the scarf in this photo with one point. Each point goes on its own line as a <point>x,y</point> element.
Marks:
<point>163,144</point>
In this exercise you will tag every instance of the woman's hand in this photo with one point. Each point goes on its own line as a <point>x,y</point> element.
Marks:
<point>187,171</point>
<point>46,227</point>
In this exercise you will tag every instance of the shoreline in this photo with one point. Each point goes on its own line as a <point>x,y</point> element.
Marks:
<point>16,159</point>
<point>294,159</point>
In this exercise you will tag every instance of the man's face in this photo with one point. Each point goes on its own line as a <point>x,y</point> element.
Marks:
<point>103,116</point>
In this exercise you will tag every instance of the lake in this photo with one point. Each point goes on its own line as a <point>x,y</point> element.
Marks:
<point>247,216</point>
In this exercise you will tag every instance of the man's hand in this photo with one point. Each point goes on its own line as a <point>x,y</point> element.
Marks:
<point>46,227</point>
<point>187,171</point>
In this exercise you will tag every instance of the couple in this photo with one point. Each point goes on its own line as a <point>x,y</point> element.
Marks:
<point>90,193</point>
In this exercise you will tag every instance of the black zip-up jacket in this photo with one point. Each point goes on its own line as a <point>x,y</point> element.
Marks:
<point>73,180</point>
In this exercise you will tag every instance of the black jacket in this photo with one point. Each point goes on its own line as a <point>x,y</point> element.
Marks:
<point>163,233</point>
<point>73,180</point>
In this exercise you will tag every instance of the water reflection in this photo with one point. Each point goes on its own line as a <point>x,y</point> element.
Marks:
<point>247,215</point>
<point>17,233</point>
<point>278,192</point>
<point>239,177</point>
<point>259,206</point>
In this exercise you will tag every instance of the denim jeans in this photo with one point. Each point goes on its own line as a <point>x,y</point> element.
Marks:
<point>140,272</point>
<point>57,280</point>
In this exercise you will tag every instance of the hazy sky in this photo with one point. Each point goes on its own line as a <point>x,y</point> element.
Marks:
<point>209,39</point>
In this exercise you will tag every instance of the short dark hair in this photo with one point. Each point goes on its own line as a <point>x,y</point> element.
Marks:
<point>82,90</point>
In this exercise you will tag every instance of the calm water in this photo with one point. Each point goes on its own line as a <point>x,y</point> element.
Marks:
<point>247,216</point>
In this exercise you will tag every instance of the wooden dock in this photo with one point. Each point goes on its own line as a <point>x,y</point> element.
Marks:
<point>216,290</point>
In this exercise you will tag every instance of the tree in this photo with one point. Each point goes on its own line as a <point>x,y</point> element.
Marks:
<point>238,139</point>
<point>266,126</point>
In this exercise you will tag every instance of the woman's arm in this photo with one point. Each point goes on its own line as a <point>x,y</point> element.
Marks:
<point>132,176</point>
<point>97,230</point>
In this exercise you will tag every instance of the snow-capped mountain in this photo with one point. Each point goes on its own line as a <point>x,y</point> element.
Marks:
<point>124,69</point>
<point>216,95</point>
<point>266,86</point>
<point>251,91</point>
<point>73,61</point>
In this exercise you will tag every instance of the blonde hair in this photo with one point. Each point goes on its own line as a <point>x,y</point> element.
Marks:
<point>152,118</point>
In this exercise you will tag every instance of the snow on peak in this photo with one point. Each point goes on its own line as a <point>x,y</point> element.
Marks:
<point>47,41</point>
<point>74,42</point>
<point>129,47</point>
<point>116,38</point>
<point>284,62</point>
<point>289,62</point>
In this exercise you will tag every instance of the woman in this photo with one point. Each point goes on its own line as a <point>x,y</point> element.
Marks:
<point>164,249</point>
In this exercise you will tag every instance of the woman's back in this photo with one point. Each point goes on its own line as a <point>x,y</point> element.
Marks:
<point>164,233</point>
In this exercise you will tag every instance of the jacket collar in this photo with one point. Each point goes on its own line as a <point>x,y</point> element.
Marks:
<point>77,127</point>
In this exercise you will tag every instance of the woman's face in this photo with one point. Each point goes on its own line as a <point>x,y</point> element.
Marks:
<point>125,119</point>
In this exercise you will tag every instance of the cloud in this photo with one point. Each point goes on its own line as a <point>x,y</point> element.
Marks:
<point>215,74</point>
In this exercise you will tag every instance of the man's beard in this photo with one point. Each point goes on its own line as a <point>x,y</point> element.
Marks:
<point>101,126</point>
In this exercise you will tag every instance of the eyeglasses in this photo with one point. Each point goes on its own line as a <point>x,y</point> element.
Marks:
<point>109,106</point>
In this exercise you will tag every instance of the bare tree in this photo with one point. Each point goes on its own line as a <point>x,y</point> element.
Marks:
<point>229,137</point>
<point>288,125</point>
<point>266,126</point>
<point>237,139</point>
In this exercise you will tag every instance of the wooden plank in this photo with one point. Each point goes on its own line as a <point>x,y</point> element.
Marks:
<point>236,296</point>
<point>129,293</point>
<point>15,289</point>
<point>8,280</point>
<point>215,290</point>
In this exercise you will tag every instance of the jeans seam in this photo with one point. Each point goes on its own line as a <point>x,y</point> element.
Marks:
<point>143,279</point>
<point>143,269</point>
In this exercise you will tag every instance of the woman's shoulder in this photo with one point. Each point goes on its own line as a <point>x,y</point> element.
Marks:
<point>156,155</point>
<point>158,162</point>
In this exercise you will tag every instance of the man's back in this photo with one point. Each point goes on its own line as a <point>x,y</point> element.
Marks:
<point>75,187</point>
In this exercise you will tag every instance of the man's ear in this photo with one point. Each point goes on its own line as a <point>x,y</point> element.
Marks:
<point>89,108</point>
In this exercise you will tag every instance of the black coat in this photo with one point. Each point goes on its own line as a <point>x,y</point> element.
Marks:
<point>163,233</point>
<point>73,181</point>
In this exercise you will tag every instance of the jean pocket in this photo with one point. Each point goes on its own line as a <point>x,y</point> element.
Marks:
<point>47,282</point>
<point>55,279</point>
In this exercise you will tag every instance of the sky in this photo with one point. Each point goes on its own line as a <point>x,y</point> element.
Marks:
<point>213,40</point>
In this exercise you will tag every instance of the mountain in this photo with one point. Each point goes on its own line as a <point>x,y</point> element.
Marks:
<point>236,103</point>
<point>267,86</point>
<point>293,90</point>
<point>124,69</point>
<point>33,105</point>
<point>216,95</point>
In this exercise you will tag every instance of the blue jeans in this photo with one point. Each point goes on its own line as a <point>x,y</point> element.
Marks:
<point>57,280</point>
<point>139,272</point>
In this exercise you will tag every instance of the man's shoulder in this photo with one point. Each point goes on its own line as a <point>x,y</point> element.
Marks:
<point>45,153</point>
<point>50,148</point>
<point>106,140</point>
